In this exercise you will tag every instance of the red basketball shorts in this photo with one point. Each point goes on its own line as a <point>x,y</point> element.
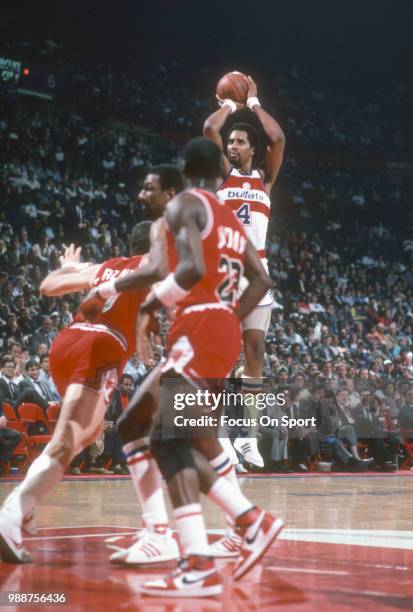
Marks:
<point>88,356</point>
<point>204,343</point>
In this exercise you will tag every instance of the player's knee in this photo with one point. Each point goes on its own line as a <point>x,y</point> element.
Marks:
<point>172,456</point>
<point>63,450</point>
<point>209,447</point>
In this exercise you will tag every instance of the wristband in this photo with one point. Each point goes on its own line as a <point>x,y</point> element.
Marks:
<point>231,105</point>
<point>169,292</point>
<point>253,101</point>
<point>107,290</point>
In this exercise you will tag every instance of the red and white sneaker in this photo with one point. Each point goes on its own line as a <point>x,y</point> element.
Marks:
<point>258,530</point>
<point>152,547</point>
<point>228,546</point>
<point>195,576</point>
<point>11,541</point>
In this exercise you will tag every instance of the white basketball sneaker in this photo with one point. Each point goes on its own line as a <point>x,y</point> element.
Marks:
<point>248,448</point>
<point>151,547</point>
<point>11,541</point>
<point>196,576</point>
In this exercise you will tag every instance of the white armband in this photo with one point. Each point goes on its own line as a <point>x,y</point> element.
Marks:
<point>231,104</point>
<point>107,289</point>
<point>169,292</point>
<point>253,101</point>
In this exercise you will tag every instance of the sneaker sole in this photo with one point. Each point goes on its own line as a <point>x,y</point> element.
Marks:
<point>8,555</point>
<point>195,592</point>
<point>272,534</point>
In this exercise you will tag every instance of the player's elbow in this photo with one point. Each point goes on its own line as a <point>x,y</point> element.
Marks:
<point>277,136</point>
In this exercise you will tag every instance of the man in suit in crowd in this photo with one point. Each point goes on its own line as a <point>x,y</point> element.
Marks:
<point>8,388</point>
<point>31,389</point>
<point>337,427</point>
<point>374,427</point>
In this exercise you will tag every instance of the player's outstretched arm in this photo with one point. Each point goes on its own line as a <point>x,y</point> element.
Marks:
<point>275,150</point>
<point>258,279</point>
<point>71,276</point>
<point>186,218</point>
<point>66,280</point>
<point>152,270</point>
<point>156,266</point>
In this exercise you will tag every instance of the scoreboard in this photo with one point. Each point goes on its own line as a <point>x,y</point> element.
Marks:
<point>31,78</point>
<point>10,70</point>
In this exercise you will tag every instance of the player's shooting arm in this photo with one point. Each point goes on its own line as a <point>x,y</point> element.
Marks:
<point>258,279</point>
<point>156,267</point>
<point>275,150</point>
<point>212,130</point>
<point>68,280</point>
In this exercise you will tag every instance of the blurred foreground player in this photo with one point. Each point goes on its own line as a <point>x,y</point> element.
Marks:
<point>86,360</point>
<point>247,191</point>
<point>208,254</point>
<point>154,544</point>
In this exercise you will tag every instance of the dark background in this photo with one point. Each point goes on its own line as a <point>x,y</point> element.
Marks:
<point>352,40</point>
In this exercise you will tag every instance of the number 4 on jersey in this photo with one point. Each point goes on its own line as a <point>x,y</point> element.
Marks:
<point>243,214</point>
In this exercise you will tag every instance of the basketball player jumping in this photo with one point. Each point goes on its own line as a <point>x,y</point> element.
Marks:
<point>247,191</point>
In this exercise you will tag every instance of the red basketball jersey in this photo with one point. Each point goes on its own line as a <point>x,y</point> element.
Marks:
<point>223,243</point>
<point>119,312</point>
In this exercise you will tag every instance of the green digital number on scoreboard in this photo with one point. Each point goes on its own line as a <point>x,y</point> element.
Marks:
<point>10,70</point>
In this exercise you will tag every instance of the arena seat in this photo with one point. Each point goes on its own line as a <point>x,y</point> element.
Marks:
<point>408,447</point>
<point>9,412</point>
<point>53,415</point>
<point>29,415</point>
<point>21,453</point>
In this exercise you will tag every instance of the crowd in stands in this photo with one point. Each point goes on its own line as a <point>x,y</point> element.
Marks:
<point>339,246</point>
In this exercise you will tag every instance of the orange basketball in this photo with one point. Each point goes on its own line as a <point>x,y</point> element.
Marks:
<point>233,85</point>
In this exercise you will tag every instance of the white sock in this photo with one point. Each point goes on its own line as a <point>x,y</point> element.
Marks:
<point>191,530</point>
<point>44,473</point>
<point>222,467</point>
<point>147,481</point>
<point>229,498</point>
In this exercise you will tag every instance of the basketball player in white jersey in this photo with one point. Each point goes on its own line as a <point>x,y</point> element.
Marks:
<point>247,190</point>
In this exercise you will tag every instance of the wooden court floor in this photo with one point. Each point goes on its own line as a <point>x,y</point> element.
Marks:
<point>348,545</point>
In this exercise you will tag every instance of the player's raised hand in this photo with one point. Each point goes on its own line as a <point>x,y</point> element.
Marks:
<point>221,102</point>
<point>92,305</point>
<point>252,88</point>
<point>70,255</point>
